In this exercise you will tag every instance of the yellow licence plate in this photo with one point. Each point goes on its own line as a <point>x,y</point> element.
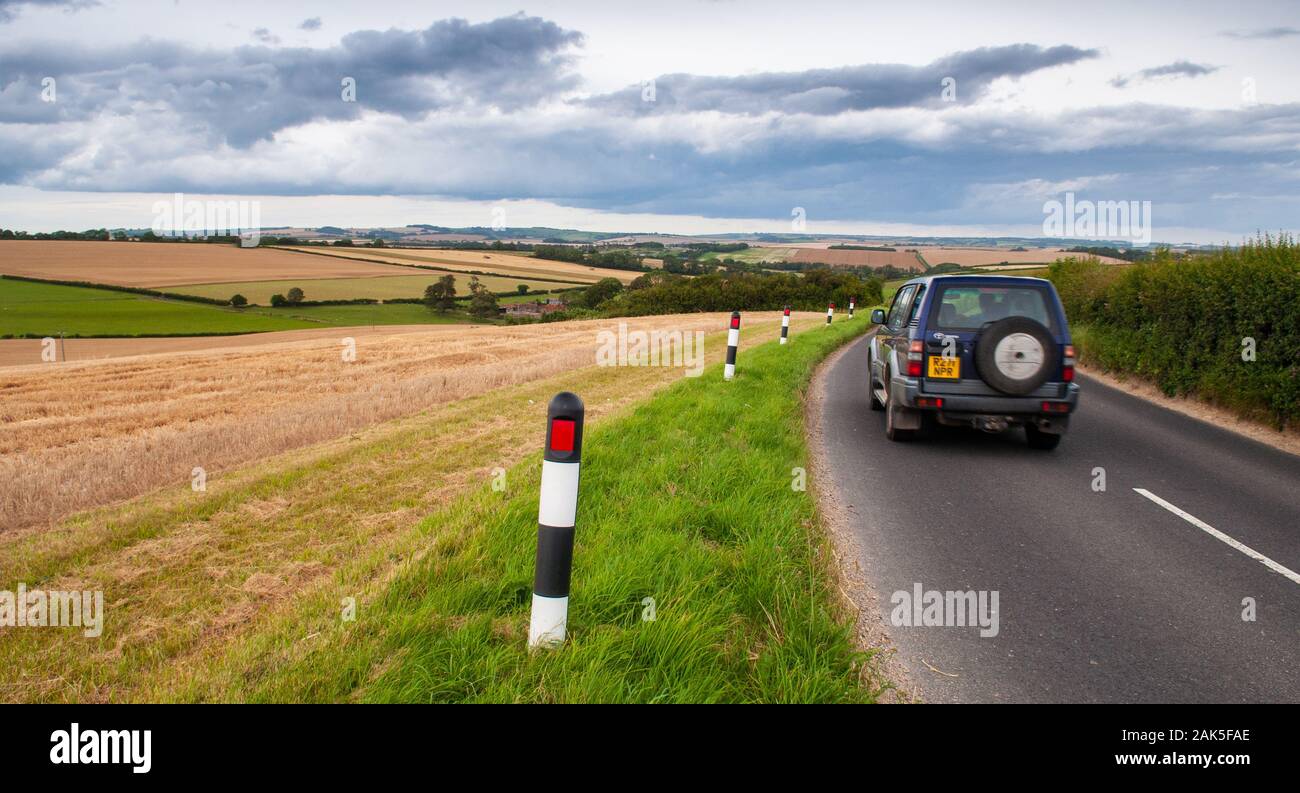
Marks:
<point>949,368</point>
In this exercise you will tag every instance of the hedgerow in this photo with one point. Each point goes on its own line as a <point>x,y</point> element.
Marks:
<point>1189,324</point>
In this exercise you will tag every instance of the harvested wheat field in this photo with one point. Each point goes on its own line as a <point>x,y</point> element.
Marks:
<point>84,434</point>
<point>856,258</point>
<point>978,257</point>
<point>498,262</point>
<point>163,264</point>
<point>27,352</point>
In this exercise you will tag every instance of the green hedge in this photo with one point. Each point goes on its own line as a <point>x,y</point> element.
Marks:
<point>811,291</point>
<point>1182,323</point>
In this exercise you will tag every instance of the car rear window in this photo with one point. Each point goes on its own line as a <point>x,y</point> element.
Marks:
<point>970,307</point>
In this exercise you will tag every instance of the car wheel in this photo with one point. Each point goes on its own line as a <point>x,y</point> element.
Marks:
<point>891,409</point>
<point>1016,355</point>
<point>871,382</point>
<point>1041,440</point>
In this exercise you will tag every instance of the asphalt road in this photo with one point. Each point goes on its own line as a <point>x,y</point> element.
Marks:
<point>1103,596</point>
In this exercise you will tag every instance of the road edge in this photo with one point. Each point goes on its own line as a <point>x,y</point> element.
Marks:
<point>1284,441</point>
<point>869,627</point>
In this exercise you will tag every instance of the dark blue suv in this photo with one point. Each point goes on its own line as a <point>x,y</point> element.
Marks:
<point>979,351</point>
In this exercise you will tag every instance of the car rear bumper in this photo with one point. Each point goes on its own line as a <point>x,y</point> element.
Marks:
<point>909,388</point>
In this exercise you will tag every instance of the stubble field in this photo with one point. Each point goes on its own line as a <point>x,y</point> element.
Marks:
<point>166,264</point>
<point>78,435</point>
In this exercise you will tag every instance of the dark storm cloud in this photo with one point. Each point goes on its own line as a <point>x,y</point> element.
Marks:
<point>832,91</point>
<point>247,94</point>
<point>1173,70</point>
<point>9,8</point>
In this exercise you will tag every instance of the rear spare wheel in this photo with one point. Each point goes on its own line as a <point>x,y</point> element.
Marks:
<point>1016,355</point>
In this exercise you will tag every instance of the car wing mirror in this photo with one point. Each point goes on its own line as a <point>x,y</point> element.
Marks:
<point>878,316</point>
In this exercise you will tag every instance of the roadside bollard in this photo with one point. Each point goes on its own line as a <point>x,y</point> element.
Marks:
<point>557,510</point>
<point>785,324</point>
<point>733,339</point>
<point>853,303</point>
<point>830,312</point>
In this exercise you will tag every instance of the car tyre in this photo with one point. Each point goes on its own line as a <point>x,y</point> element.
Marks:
<point>1013,331</point>
<point>891,409</point>
<point>1041,440</point>
<point>876,404</point>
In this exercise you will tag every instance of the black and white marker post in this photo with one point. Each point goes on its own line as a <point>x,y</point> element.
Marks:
<point>853,303</point>
<point>557,511</point>
<point>785,324</point>
<point>733,340</point>
<point>830,312</point>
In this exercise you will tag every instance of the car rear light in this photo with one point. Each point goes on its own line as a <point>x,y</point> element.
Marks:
<point>1067,364</point>
<point>929,402</point>
<point>915,354</point>
<point>1056,407</point>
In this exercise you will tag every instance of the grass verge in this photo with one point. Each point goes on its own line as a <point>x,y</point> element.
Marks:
<point>688,501</point>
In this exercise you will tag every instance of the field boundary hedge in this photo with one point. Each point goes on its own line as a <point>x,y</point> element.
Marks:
<point>1224,327</point>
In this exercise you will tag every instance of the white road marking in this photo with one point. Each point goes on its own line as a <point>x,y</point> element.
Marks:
<point>1218,535</point>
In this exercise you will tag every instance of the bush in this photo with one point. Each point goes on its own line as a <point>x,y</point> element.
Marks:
<point>238,301</point>
<point>1185,323</point>
<point>670,294</point>
<point>601,291</point>
<point>279,301</point>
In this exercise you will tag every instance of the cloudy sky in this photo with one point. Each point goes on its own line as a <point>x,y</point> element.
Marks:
<point>685,116</point>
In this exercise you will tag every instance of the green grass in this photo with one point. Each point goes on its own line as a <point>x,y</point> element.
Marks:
<point>35,309</point>
<point>688,501</point>
<point>381,288</point>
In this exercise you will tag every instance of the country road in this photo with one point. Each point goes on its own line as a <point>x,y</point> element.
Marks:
<point>1103,596</point>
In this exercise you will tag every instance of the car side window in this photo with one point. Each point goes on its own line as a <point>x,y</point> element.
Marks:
<point>917,300</point>
<point>902,301</point>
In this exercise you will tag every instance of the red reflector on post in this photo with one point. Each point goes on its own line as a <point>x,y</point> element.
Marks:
<point>735,322</point>
<point>562,435</point>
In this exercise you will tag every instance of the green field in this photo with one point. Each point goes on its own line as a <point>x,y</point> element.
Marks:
<point>30,309</point>
<point>380,288</point>
<point>366,314</point>
<point>752,255</point>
